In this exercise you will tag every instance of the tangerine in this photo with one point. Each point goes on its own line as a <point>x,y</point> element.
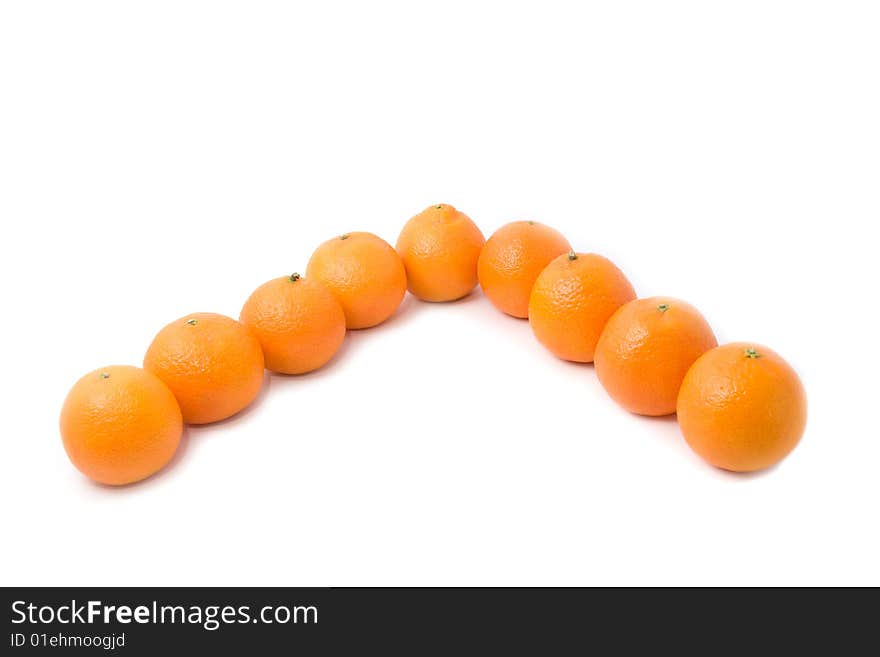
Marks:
<point>120,424</point>
<point>298,321</point>
<point>365,275</point>
<point>742,407</point>
<point>572,299</point>
<point>511,260</point>
<point>645,350</point>
<point>212,363</point>
<point>440,247</point>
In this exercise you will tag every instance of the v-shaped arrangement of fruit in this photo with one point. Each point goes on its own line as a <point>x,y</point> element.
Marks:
<point>740,406</point>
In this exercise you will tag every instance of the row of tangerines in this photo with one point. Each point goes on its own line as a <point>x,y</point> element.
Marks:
<point>740,406</point>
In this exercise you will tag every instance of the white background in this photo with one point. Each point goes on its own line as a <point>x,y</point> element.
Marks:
<point>162,158</point>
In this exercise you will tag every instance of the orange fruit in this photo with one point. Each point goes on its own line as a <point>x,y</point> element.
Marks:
<point>511,260</point>
<point>120,424</point>
<point>213,365</point>
<point>365,275</point>
<point>646,349</point>
<point>298,321</point>
<point>572,299</point>
<point>440,247</point>
<point>742,407</point>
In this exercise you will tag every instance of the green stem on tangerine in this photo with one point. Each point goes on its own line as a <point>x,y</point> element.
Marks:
<point>344,237</point>
<point>752,353</point>
<point>294,277</point>
<point>663,307</point>
<point>192,322</point>
<point>105,375</point>
<point>439,207</point>
<point>572,255</point>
